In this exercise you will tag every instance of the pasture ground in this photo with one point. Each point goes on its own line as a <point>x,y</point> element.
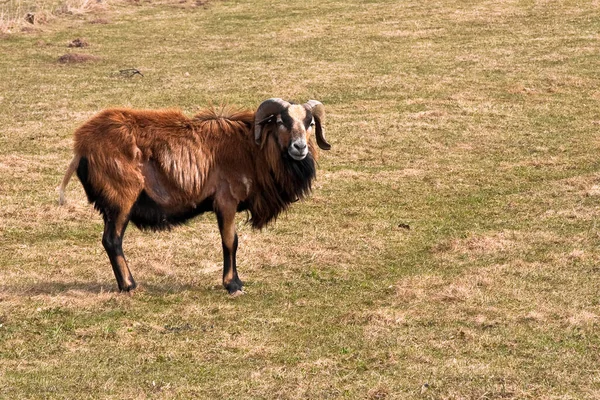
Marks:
<point>450,249</point>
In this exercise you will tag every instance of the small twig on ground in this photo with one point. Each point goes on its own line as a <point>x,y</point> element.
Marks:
<point>130,72</point>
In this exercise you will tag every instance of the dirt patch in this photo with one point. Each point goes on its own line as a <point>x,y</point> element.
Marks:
<point>29,29</point>
<point>380,392</point>
<point>78,43</point>
<point>77,58</point>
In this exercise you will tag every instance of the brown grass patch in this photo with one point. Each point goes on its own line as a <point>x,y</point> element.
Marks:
<point>99,21</point>
<point>416,288</point>
<point>413,33</point>
<point>428,115</point>
<point>78,7</point>
<point>491,243</point>
<point>22,16</point>
<point>582,185</point>
<point>77,58</point>
<point>583,319</point>
<point>594,190</point>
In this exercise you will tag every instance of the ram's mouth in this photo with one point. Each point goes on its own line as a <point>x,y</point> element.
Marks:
<point>298,156</point>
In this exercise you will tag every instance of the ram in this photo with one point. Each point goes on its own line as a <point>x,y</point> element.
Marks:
<point>159,168</point>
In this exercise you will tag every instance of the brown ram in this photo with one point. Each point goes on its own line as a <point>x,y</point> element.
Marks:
<point>160,168</point>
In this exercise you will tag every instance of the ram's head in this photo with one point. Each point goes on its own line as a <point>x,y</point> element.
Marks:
<point>291,124</point>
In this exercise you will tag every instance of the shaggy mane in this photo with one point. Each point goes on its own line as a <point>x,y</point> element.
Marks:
<point>276,196</point>
<point>224,119</point>
<point>223,112</point>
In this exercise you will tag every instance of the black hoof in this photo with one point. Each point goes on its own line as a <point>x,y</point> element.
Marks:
<point>128,288</point>
<point>235,286</point>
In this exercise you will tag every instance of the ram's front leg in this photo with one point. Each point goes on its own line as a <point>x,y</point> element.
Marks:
<point>229,238</point>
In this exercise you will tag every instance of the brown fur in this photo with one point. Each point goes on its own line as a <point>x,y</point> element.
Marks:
<point>181,163</point>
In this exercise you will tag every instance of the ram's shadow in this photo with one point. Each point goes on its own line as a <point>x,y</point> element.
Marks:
<point>57,288</point>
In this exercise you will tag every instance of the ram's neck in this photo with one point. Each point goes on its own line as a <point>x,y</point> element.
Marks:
<point>280,182</point>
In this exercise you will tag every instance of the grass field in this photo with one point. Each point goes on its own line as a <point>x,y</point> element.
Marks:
<point>450,249</point>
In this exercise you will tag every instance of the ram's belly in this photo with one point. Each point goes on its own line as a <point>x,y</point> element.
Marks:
<point>148,214</point>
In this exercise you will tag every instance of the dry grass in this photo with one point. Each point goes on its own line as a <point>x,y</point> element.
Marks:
<point>28,16</point>
<point>450,249</point>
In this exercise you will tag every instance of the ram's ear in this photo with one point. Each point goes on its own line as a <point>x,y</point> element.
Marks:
<point>260,127</point>
<point>267,110</point>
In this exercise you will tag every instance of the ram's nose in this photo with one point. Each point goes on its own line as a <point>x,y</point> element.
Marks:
<point>298,149</point>
<point>299,145</point>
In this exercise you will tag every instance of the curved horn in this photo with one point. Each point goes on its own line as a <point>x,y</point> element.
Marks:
<point>266,110</point>
<point>318,112</point>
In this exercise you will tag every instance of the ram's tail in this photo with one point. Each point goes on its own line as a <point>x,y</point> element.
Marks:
<point>68,174</point>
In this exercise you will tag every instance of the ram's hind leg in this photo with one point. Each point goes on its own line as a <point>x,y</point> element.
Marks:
<point>115,223</point>
<point>116,217</point>
<point>113,183</point>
